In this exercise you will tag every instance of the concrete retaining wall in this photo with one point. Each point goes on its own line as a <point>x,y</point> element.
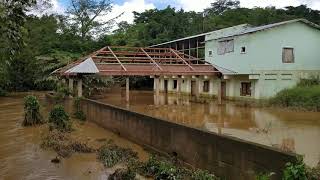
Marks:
<point>227,157</point>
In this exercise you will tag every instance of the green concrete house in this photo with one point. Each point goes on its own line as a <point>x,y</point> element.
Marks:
<point>255,62</point>
<point>266,59</point>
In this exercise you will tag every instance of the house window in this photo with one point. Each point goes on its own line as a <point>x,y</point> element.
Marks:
<point>175,83</point>
<point>225,46</point>
<point>206,86</point>
<point>287,55</point>
<point>210,53</point>
<point>243,50</point>
<point>245,89</point>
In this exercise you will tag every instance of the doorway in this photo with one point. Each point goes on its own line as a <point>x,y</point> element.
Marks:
<point>193,88</point>
<point>166,86</point>
<point>223,90</point>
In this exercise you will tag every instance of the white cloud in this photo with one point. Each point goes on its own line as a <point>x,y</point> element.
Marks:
<point>194,5</point>
<point>128,7</point>
<point>41,9</point>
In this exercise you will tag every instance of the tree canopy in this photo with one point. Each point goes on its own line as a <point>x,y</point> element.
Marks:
<point>34,46</point>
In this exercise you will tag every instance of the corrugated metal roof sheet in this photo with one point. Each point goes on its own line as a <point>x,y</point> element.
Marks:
<point>269,26</point>
<point>85,67</point>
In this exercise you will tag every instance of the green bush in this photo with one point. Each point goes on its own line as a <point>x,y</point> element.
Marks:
<point>123,174</point>
<point>295,171</point>
<point>309,82</point>
<point>59,119</point>
<point>111,155</point>
<point>161,169</point>
<point>314,173</point>
<point>78,113</point>
<point>62,92</point>
<point>3,92</point>
<point>203,175</point>
<point>303,97</point>
<point>32,114</point>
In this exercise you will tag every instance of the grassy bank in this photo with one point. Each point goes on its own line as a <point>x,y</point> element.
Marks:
<point>304,96</point>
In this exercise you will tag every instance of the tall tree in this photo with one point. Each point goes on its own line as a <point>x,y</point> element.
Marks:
<point>85,16</point>
<point>220,6</point>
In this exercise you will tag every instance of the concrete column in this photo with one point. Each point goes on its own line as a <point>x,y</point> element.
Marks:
<point>197,92</point>
<point>157,89</point>
<point>71,85</point>
<point>79,87</point>
<point>219,91</point>
<point>127,90</point>
<point>179,84</point>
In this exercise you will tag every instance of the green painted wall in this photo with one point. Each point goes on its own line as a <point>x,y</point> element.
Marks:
<point>264,50</point>
<point>263,58</point>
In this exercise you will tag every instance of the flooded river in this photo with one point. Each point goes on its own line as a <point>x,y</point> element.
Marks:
<point>287,130</point>
<point>22,158</point>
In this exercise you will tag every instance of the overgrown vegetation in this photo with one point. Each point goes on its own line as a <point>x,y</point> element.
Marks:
<point>111,154</point>
<point>295,171</point>
<point>63,144</point>
<point>59,119</point>
<point>123,174</point>
<point>62,91</point>
<point>300,171</point>
<point>32,114</point>
<point>306,95</point>
<point>78,113</point>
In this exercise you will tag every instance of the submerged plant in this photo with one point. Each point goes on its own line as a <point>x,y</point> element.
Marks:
<point>295,171</point>
<point>63,144</point>
<point>78,113</point>
<point>62,92</point>
<point>203,175</point>
<point>59,119</point>
<point>32,114</point>
<point>111,155</point>
<point>123,174</point>
<point>161,169</point>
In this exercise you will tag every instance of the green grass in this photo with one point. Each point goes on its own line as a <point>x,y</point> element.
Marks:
<point>300,97</point>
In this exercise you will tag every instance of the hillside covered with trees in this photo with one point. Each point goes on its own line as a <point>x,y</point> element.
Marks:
<point>31,46</point>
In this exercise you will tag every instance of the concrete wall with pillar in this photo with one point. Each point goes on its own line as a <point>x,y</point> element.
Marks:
<point>70,85</point>
<point>79,87</point>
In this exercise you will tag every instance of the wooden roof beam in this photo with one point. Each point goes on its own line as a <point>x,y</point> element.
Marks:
<point>117,58</point>
<point>177,55</point>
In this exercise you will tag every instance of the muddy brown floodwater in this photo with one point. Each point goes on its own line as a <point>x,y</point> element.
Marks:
<point>286,130</point>
<point>22,158</point>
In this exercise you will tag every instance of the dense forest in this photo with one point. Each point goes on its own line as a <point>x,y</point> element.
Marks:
<point>33,46</point>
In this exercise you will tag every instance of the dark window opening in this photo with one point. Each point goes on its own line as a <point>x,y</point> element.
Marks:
<point>245,89</point>
<point>210,53</point>
<point>243,49</point>
<point>206,86</point>
<point>225,46</point>
<point>287,55</point>
<point>175,84</point>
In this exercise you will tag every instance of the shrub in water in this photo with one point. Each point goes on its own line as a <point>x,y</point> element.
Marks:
<point>161,169</point>
<point>63,144</point>
<point>203,175</point>
<point>295,171</point>
<point>123,174</point>
<point>59,119</point>
<point>111,155</point>
<point>32,114</point>
<point>62,92</point>
<point>78,113</point>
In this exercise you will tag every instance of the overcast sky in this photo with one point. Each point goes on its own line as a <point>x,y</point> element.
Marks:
<point>127,6</point>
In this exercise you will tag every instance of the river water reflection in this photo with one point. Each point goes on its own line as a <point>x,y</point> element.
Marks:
<point>287,130</point>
